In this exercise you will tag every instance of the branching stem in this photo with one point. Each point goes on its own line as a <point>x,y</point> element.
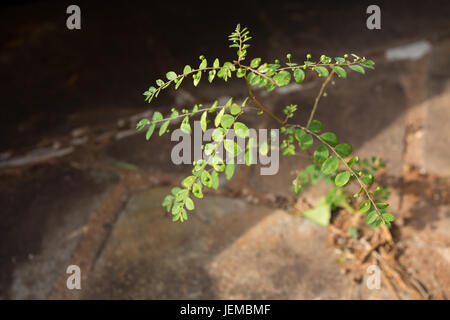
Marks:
<point>316,102</point>
<point>263,109</point>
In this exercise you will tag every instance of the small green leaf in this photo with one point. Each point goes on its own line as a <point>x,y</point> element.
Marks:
<point>240,72</point>
<point>368,64</point>
<point>231,147</point>
<point>142,123</point>
<point>203,64</point>
<point>197,190</point>
<point>227,121</point>
<point>299,75</point>
<point>214,180</point>
<point>344,149</point>
<point>315,126</point>
<point>306,141</point>
<point>253,78</point>
<point>255,63</point>
<point>218,134</point>
<point>168,201</point>
<point>282,78</point>
<point>365,206</point>
<point>197,77</point>
<point>175,190</point>
<point>199,165</point>
<point>218,166</point>
<point>340,72</point>
<point>178,83</point>
<point>299,133</point>
<point>357,68</point>
<point>241,130</point>
<point>216,64</point>
<point>342,178</point>
<point>368,180</point>
<point>321,154</point>
<point>185,126</point>
<point>352,161</point>
<point>181,195</point>
<point>229,170</point>
<point>219,116</point>
<point>213,107</point>
<point>171,75</point>
<point>371,217</point>
<point>320,214</point>
<point>188,181</point>
<point>235,109</point>
<point>203,121</point>
<point>330,138</point>
<point>263,68</point>
<point>206,179</point>
<point>177,206</point>
<point>211,75</point>
<point>163,127</point>
<point>189,204</point>
<point>382,206</point>
<point>150,131</point>
<point>322,71</point>
<point>388,217</point>
<point>229,102</point>
<point>330,165</point>
<point>157,116</point>
<point>187,69</point>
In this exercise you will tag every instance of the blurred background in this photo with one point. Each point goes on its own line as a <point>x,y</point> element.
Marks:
<point>79,185</point>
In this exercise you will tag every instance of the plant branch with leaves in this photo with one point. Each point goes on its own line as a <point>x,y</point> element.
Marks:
<point>336,165</point>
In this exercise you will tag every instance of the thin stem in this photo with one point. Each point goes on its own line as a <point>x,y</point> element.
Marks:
<point>263,109</point>
<point>316,102</point>
<point>304,66</point>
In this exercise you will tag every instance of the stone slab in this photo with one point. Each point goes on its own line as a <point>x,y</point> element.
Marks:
<point>437,112</point>
<point>44,211</point>
<point>227,249</point>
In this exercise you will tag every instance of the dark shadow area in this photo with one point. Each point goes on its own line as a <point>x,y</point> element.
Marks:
<point>39,210</point>
<point>51,74</point>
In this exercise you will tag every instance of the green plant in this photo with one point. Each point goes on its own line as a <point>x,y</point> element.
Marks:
<point>336,195</point>
<point>326,159</point>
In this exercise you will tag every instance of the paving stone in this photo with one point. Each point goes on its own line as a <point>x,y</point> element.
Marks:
<point>424,235</point>
<point>44,210</point>
<point>281,257</point>
<point>227,249</point>
<point>427,248</point>
<point>437,112</point>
